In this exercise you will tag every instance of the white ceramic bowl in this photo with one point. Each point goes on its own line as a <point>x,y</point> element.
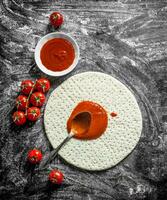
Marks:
<point>40,44</point>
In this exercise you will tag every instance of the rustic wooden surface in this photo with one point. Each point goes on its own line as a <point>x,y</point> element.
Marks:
<point>125,38</point>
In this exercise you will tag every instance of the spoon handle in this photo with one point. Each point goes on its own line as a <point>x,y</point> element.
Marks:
<point>48,158</point>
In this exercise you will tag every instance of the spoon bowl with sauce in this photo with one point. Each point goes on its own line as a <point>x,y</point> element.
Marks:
<point>81,123</point>
<point>56,54</point>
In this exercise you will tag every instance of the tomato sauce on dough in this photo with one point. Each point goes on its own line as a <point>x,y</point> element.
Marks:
<point>57,54</point>
<point>97,121</point>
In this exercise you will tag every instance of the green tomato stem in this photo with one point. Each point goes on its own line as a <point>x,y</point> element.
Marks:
<point>29,96</point>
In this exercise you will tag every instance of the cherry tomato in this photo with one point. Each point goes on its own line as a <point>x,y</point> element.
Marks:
<point>56,19</point>
<point>26,86</point>
<point>56,176</point>
<point>37,99</point>
<point>33,113</point>
<point>34,156</point>
<point>21,102</point>
<point>42,85</point>
<point>19,118</point>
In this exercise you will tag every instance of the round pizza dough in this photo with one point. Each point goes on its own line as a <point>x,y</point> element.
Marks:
<point>122,134</point>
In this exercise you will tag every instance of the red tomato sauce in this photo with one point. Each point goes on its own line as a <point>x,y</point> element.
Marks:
<point>98,121</point>
<point>57,54</point>
<point>113,114</point>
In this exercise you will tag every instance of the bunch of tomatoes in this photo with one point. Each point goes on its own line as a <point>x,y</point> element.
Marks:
<point>30,100</point>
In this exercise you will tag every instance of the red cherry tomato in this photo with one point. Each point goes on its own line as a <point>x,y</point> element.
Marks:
<point>33,113</point>
<point>42,85</point>
<point>21,102</point>
<point>19,118</point>
<point>56,19</point>
<point>56,177</point>
<point>37,99</point>
<point>34,156</point>
<point>26,86</point>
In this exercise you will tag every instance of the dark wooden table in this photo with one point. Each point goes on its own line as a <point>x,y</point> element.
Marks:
<point>124,38</point>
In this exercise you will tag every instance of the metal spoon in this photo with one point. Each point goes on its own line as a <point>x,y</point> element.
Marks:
<point>80,125</point>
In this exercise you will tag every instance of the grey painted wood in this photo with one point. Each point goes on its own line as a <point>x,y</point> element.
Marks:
<point>127,39</point>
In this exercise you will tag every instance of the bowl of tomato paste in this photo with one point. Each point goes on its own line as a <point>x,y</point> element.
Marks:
<point>57,54</point>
